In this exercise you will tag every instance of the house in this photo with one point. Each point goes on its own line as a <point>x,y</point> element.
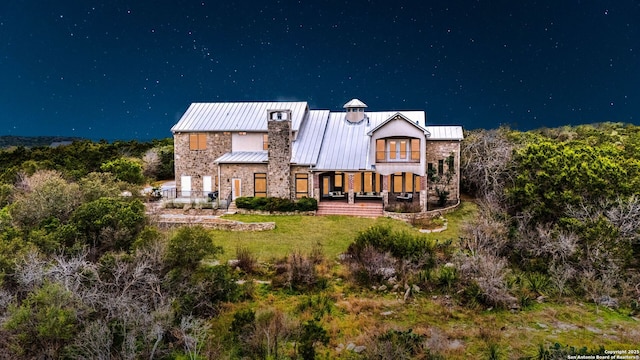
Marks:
<point>285,149</point>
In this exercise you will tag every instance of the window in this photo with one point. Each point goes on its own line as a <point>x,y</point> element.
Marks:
<point>417,180</point>
<point>302,185</point>
<point>398,149</point>
<point>415,149</point>
<point>393,149</point>
<point>242,133</point>
<point>265,142</point>
<point>396,182</point>
<point>431,173</point>
<point>380,149</point>
<point>197,141</point>
<point>357,182</point>
<point>440,167</point>
<point>337,181</point>
<point>405,182</point>
<point>260,185</point>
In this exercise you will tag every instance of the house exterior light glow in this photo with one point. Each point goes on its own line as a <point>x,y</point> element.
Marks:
<point>285,149</point>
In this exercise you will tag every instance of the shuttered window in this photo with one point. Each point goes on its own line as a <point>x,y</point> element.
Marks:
<point>380,156</point>
<point>197,141</point>
<point>415,149</point>
<point>302,185</point>
<point>260,185</point>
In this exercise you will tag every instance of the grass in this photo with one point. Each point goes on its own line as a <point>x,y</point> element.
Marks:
<point>297,233</point>
<point>333,233</point>
<point>455,331</point>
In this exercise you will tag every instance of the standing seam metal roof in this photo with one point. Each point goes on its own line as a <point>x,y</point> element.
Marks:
<point>238,116</point>
<point>445,132</point>
<point>306,148</point>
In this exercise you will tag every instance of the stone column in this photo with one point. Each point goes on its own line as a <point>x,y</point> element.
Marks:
<point>385,190</point>
<point>279,166</point>
<point>316,186</point>
<point>351,198</point>
<point>423,193</point>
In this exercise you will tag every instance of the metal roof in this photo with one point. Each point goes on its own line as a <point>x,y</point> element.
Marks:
<point>236,116</point>
<point>345,145</point>
<point>444,132</point>
<point>246,157</point>
<point>306,148</point>
<point>355,103</point>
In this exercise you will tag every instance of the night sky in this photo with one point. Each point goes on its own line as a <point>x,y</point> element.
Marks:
<point>129,69</point>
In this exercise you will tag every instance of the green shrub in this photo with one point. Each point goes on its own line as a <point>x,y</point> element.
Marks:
<point>311,334</point>
<point>188,246</point>
<point>447,277</point>
<point>307,204</point>
<point>275,204</point>
<point>247,262</point>
<point>398,344</point>
<point>400,244</point>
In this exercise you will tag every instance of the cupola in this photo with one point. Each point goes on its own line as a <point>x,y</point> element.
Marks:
<point>355,110</point>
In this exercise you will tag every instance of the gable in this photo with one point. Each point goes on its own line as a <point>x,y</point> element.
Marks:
<point>398,125</point>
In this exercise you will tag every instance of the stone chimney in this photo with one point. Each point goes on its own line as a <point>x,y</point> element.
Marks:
<point>279,167</point>
<point>355,110</point>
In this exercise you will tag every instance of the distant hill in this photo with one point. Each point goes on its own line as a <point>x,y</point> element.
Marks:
<point>7,141</point>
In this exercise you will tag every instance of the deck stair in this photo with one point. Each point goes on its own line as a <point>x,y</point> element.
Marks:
<point>363,209</point>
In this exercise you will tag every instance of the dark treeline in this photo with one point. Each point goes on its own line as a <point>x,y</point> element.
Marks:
<point>82,157</point>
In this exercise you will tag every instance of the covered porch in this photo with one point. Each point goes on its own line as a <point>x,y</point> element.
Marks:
<point>399,191</point>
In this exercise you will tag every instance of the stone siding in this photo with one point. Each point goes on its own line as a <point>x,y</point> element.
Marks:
<point>245,173</point>
<point>279,168</point>
<point>198,163</point>
<point>298,169</point>
<point>227,226</point>
<point>440,150</point>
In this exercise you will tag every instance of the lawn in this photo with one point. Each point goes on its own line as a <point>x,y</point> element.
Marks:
<point>333,233</point>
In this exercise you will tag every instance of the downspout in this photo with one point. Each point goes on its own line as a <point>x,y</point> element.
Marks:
<point>313,193</point>
<point>219,189</point>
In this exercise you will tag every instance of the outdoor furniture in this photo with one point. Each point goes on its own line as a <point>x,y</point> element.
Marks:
<point>405,197</point>
<point>368,195</point>
<point>337,195</point>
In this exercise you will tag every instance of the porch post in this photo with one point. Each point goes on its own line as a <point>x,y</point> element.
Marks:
<point>385,190</point>
<point>316,186</point>
<point>351,198</point>
<point>423,193</point>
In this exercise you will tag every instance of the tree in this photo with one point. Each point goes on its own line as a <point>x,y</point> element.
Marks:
<point>110,223</point>
<point>552,175</point>
<point>158,162</point>
<point>43,323</point>
<point>125,169</point>
<point>188,246</point>
<point>97,185</point>
<point>44,195</point>
<point>485,161</point>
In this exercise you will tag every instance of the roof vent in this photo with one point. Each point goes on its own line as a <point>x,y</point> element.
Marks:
<point>355,110</point>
